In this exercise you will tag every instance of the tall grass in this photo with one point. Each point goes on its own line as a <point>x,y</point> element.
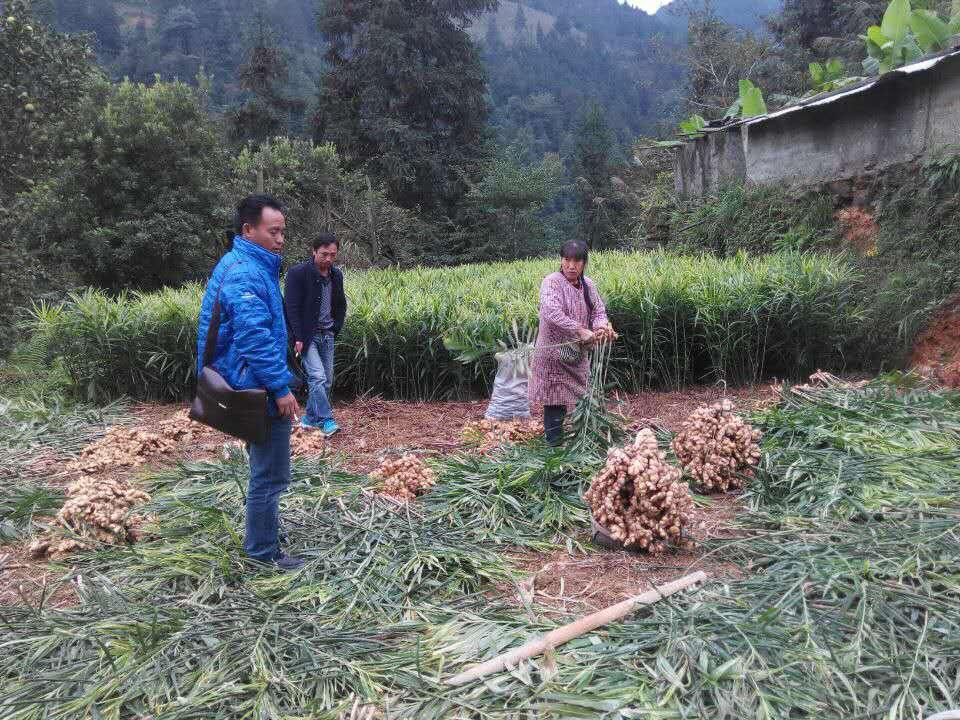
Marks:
<point>681,319</point>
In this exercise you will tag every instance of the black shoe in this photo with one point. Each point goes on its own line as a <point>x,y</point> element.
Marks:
<point>289,563</point>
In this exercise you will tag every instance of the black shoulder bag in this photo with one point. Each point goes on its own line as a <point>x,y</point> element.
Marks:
<point>241,413</point>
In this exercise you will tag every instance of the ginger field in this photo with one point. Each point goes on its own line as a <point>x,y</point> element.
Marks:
<point>430,333</point>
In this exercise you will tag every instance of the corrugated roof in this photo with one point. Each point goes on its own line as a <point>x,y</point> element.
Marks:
<point>920,66</point>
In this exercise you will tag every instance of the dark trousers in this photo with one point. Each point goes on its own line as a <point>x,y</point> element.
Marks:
<point>553,417</point>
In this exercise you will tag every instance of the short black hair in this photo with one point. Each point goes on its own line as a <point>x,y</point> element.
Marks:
<point>574,250</point>
<point>250,210</point>
<point>325,238</point>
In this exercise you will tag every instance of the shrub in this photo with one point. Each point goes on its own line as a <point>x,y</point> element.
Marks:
<point>681,320</point>
<point>755,219</point>
<point>319,195</point>
<point>134,203</point>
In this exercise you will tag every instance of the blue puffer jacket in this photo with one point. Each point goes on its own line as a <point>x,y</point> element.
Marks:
<point>251,350</point>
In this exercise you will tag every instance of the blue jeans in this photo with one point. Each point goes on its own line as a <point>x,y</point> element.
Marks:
<point>269,477</point>
<point>318,362</point>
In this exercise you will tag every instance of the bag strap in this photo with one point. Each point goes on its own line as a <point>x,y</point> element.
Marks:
<point>213,329</point>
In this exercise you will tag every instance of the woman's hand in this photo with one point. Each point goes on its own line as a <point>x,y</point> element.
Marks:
<point>584,335</point>
<point>606,334</point>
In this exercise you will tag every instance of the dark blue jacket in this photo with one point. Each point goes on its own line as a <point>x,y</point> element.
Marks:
<point>303,300</point>
<point>251,349</point>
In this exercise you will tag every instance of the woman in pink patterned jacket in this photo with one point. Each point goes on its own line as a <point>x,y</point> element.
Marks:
<point>571,310</point>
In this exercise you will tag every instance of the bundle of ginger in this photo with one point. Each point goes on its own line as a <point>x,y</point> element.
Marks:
<point>488,434</point>
<point>638,498</point>
<point>96,510</point>
<point>404,478</point>
<point>717,448</point>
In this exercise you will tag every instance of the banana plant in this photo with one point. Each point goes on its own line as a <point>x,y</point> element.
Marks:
<point>932,33</point>
<point>829,76</point>
<point>891,44</point>
<point>749,104</point>
<point>693,126</point>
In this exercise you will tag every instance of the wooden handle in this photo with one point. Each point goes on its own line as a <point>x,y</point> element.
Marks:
<point>564,634</point>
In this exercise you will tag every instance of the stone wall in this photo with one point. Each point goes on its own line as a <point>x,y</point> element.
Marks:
<point>902,117</point>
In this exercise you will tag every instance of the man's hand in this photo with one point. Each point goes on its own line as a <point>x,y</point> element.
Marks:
<point>298,347</point>
<point>288,407</point>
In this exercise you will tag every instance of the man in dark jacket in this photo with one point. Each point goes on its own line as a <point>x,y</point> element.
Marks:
<point>317,306</point>
<point>251,352</point>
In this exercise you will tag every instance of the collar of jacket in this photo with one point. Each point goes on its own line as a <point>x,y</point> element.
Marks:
<point>267,259</point>
<point>316,273</point>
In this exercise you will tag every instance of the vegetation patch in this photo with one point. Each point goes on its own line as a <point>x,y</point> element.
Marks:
<point>681,319</point>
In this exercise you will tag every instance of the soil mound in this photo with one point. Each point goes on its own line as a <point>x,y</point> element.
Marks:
<point>936,354</point>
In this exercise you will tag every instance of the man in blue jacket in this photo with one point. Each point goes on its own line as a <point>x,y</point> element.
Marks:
<point>317,306</point>
<point>251,352</point>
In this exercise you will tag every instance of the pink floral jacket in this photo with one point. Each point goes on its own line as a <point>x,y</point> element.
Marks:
<point>562,312</point>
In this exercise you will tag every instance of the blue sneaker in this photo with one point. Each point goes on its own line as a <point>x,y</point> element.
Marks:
<point>307,425</point>
<point>330,428</point>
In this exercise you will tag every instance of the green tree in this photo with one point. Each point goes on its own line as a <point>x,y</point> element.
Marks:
<point>511,196</point>
<point>404,97</point>
<point>319,195</point>
<point>135,62</point>
<point>719,55</point>
<point>179,38</point>
<point>43,77</point>
<point>520,24</point>
<point>135,202</point>
<point>593,150</point>
<point>264,75</point>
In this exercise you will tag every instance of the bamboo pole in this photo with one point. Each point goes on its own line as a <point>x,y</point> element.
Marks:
<point>564,634</point>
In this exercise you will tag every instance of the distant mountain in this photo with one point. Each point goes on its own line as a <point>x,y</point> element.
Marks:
<point>547,60</point>
<point>748,14</point>
<point>504,18</point>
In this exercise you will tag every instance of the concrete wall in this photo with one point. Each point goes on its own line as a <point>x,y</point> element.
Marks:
<point>900,119</point>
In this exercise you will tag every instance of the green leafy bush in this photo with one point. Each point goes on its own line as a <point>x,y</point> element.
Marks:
<point>681,319</point>
<point>135,202</point>
<point>319,195</point>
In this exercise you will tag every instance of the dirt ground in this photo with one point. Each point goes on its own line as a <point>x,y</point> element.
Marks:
<point>589,581</point>
<point>936,353</point>
<point>371,427</point>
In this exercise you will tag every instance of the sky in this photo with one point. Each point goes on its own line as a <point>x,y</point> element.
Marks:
<point>650,6</point>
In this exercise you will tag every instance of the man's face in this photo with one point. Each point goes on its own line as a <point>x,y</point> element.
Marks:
<point>572,269</point>
<point>324,257</point>
<point>269,232</point>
